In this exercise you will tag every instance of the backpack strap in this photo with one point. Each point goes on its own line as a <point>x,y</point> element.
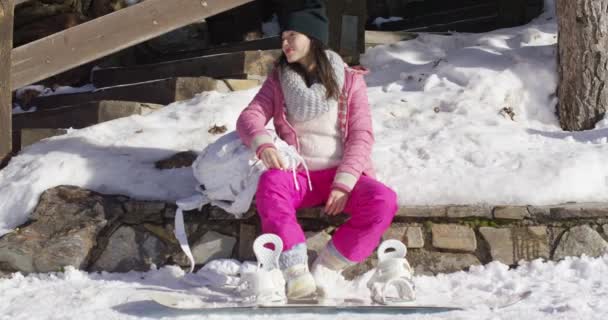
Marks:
<point>196,201</point>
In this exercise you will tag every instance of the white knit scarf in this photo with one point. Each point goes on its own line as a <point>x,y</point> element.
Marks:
<point>304,103</point>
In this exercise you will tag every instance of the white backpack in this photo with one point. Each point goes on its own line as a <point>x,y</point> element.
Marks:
<point>228,173</point>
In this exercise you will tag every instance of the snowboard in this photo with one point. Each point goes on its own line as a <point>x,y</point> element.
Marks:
<point>184,301</point>
<point>268,259</point>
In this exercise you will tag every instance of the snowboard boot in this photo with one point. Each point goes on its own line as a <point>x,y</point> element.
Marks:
<point>327,272</point>
<point>294,263</point>
<point>300,282</point>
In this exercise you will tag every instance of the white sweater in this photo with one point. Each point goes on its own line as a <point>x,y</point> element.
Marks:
<point>320,143</point>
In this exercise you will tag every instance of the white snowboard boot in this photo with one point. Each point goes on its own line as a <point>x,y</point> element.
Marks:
<point>266,284</point>
<point>327,272</point>
<point>392,282</point>
<point>300,282</point>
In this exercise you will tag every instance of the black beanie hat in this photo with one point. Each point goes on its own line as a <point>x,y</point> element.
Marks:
<point>310,20</point>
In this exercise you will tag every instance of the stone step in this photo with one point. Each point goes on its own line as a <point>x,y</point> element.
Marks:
<point>98,232</point>
<point>161,92</point>
<point>230,65</point>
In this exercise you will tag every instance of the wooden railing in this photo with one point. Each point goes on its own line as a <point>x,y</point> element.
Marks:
<point>87,42</point>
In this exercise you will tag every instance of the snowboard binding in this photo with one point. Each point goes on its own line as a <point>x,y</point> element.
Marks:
<point>393,274</point>
<point>266,284</point>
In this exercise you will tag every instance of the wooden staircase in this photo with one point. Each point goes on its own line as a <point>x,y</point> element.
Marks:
<point>161,83</point>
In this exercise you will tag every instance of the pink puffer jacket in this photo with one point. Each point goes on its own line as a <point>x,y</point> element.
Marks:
<point>354,117</point>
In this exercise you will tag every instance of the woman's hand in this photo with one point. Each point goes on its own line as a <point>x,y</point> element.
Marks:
<point>270,158</point>
<point>336,202</point>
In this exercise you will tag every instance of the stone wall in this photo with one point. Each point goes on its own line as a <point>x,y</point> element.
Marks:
<point>73,226</point>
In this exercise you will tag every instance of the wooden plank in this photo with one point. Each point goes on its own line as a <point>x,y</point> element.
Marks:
<point>442,17</point>
<point>374,38</point>
<point>6,46</point>
<point>108,34</point>
<point>215,66</point>
<point>477,24</point>
<point>415,8</point>
<point>269,43</point>
<point>230,65</point>
<point>159,92</point>
<point>81,116</point>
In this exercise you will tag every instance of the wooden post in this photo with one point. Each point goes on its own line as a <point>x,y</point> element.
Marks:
<point>6,47</point>
<point>347,28</point>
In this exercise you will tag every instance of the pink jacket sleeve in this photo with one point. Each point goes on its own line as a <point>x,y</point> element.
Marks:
<point>360,138</point>
<point>251,124</point>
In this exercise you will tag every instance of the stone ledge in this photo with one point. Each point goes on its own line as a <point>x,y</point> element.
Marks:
<point>453,237</point>
<point>469,212</point>
<point>114,233</point>
<point>567,211</point>
<point>510,212</point>
<point>422,212</point>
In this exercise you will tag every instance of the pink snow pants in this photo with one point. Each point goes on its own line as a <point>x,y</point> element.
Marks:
<point>371,206</point>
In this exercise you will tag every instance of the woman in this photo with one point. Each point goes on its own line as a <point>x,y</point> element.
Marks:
<point>319,106</point>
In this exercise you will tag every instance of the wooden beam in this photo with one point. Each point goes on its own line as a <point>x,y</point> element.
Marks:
<point>6,46</point>
<point>162,92</point>
<point>374,38</point>
<point>270,43</point>
<point>443,17</point>
<point>108,34</point>
<point>229,65</point>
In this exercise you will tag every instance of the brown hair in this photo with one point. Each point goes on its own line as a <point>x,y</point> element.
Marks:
<point>323,70</point>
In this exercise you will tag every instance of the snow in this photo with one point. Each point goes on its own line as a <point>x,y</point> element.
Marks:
<point>575,288</point>
<point>443,135</point>
<point>46,91</point>
<point>17,109</point>
<point>43,91</point>
<point>441,138</point>
<point>380,20</point>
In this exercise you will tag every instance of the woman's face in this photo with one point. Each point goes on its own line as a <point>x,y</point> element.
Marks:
<point>295,46</point>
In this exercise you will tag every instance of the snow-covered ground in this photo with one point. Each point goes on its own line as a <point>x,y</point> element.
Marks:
<point>575,288</point>
<point>442,135</point>
<point>441,138</point>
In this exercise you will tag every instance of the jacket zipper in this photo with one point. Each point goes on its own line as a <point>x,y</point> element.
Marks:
<point>283,113</point>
